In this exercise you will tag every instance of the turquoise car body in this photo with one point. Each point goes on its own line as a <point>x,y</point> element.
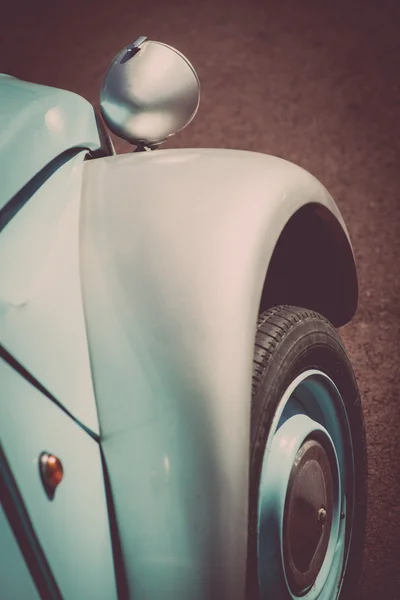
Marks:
<point>127,319</point>
<point>45,134</point>
<point>45,124</point>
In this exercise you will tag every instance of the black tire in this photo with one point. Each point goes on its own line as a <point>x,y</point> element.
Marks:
<point>289,341</point>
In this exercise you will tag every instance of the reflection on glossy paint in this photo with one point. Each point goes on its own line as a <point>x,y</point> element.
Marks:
<point>166,465</point>
<point>54,120</point>
<point>174,157</point>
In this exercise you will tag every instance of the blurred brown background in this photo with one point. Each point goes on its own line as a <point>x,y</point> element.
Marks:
<point>315,82</point>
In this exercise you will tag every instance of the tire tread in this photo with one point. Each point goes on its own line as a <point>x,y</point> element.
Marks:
<point>272,327</point>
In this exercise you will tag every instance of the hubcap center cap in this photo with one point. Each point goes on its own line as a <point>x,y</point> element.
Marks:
<point>308,515</point>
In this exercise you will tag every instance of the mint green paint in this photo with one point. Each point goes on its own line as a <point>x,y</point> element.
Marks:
<point>73,528</point>
<point>41,315</point>
<point>38,123</point>
<point>16,581</point>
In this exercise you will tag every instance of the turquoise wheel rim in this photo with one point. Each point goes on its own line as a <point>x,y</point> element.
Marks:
<point>305,494</point>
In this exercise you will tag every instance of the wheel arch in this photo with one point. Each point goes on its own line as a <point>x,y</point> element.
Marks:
<point>312,265</point>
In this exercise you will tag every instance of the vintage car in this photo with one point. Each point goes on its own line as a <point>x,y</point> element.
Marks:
<point>179,418</point>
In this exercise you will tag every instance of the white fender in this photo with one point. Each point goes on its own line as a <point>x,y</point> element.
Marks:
<point>175,247</point>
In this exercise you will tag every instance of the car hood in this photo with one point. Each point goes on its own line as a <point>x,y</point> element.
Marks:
<point>38,124</point>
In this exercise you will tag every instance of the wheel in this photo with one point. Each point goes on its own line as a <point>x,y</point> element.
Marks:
<point>307,502</point>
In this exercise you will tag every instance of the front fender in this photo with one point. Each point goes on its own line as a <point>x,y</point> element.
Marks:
<point>175,246</point>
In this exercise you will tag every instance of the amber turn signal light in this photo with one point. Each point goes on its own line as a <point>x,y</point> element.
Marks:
<point>51,472</point>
